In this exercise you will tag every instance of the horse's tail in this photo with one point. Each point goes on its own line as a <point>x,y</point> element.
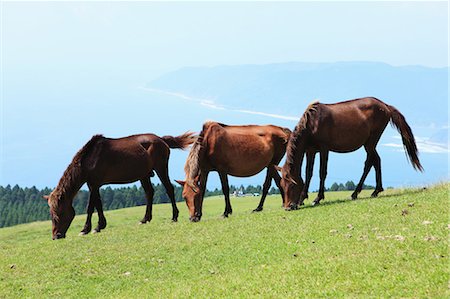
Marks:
<point>399,122</point>
<point>182,141</point>
<point>288,133</point>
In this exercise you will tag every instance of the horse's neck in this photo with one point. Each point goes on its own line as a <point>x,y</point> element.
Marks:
<point>73,190</point>
<point>294,168</point>
<point>295,154</point>
<point>71,182</point>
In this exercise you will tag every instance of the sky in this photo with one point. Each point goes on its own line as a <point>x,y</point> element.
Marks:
<point>73,69</point>
<point>153,38</point>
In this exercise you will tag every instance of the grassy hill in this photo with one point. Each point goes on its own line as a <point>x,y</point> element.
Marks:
<point>392,246</point>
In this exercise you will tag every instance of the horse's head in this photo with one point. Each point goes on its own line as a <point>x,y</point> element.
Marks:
<point>292,187</point>
<point>62,214</point>
<point>193,195</point>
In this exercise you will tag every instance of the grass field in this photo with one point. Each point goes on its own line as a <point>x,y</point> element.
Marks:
<point>392,246</point>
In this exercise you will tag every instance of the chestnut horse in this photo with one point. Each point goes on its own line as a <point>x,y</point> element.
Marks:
<point>240,151</point>
<point>113,161</point>
<point>342,127</point>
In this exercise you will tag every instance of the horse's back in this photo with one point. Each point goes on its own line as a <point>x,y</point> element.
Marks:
<point>242,150</point>
<point>127,159</point>
<point>134,139</point>
<point>346,126</point>
<point>361,105</point>
<point>250,135</point>
<point>238,131</point>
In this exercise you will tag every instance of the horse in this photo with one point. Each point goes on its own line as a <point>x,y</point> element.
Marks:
<point>113,161</point>
<point>240,151</point>
<point>341,127</point>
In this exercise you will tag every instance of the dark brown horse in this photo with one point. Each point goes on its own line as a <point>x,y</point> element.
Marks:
<point>240,151</point>
<point>342,127</point>
<point>113,161</point>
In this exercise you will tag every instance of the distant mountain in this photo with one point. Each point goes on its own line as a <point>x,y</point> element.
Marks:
<point>286,88</point>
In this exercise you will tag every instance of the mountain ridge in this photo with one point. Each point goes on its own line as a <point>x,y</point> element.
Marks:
<point>418,91</point>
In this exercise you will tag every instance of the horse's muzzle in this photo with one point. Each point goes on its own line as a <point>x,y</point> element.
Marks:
<point>291,207</point>
<point>194,219</point>
<point>59,236</point>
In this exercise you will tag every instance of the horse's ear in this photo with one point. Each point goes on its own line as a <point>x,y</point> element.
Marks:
<point>181,182</point>
<point>46,197</point>
<point>278,168</point>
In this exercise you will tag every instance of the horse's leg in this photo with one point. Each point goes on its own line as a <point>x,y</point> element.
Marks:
<point>163,174</point>
<point>203,182</point>
<point>310,156</point>
<point>199,199</point>
<point>377,166</point>
<point>367,165</point>
<point>323,175</point>
<point>101,217</point>
<point>265,190</point>
<point>274,172</point>
<point>89,210</point>
<point>276,177</point>
<point>226,193</point>
<point>148,189</point>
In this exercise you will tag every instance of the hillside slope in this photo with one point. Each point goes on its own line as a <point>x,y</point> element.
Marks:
<point>392,246</point>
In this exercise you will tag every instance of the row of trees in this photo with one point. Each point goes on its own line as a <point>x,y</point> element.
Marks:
<point>250,189</point>
<point>22,205</point>
<point>349,186</point>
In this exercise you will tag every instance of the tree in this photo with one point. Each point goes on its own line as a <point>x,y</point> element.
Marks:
<point>21,205</point>
<point>334,187</point>
<point>350,185</point>
<point>274,190</point>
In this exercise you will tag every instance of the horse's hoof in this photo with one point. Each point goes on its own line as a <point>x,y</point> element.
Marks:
<point>174,220</point>
<point>315,203</point>
<point>224,216</point>
<point>82,233</point>
<point>257,210</point>
<point>144,221</point>
<point>95,231</point>
<point>375,193</point>
<point>194,219</point>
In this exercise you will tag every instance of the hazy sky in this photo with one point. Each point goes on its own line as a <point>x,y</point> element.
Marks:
<point>60,57</point>
<point>151,38</point>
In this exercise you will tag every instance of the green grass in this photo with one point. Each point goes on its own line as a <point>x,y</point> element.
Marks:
<point>364,248</point>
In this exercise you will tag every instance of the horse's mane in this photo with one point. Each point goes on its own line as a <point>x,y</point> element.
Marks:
<point>71,180</point>
<point>299,130</point>
<point>192,166</point>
